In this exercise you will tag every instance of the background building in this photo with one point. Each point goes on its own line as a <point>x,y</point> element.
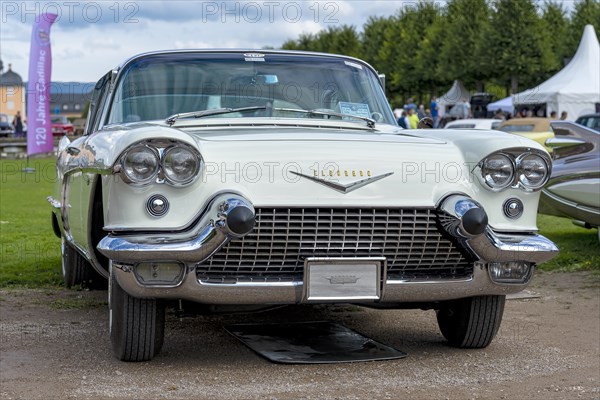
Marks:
<point>12,92</point>
<point>69,98</point>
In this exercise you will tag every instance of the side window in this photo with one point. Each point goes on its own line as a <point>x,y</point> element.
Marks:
<point>96,103</point>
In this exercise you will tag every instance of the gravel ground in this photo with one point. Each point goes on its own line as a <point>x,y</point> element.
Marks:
<point>54,345</point>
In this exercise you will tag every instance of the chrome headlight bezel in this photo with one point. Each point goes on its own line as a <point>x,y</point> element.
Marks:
<point>159,148</point>
<point>519,181</point>
<point>195,173</point>
<point>523,180</point>
<point>124,167</point>
<point>510,162</point>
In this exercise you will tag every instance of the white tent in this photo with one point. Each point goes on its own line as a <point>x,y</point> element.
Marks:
<point>505,105</point>
<point>574,89</point>
<point>455,95</point>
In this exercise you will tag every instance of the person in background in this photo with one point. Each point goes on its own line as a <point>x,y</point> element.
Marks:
<point>529,114</point>
<point>499,115</point>
<point>553,115</point>
<point>434,112</point>
<point>402,120</point>
<point>421,112</point>
<point>413,119</point>
<point>18,125</point>
<point>466,109</point>
<point>411,104</point>
<point>563,115</point>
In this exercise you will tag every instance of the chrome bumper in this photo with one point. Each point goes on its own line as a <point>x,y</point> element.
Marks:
<point>215,229</point>
<point>217,226</point>
<point>294,292</point>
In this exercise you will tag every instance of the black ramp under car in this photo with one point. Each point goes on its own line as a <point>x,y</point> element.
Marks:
<point>319,342</point>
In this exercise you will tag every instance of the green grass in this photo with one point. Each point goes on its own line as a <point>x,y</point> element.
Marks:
<point>30,253</point>
<point>29,250</point>
<point>579,247</point>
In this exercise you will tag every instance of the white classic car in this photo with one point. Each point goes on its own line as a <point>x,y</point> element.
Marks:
<point>246,178</point>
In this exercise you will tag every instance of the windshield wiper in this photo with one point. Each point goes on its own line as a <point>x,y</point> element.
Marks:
<point>370,121</point>
<point>217,111</point>
<point>199,114</point>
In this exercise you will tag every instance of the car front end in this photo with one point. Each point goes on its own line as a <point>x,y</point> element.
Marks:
<point>289,182</point>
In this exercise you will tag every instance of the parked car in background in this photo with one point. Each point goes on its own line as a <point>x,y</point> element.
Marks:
<point>573,190</point>
<point>79,126</point>
<point>232,188</point>
<point>479,103</point>
<point>458,111</point>
<point>61,126</point>
<point>6,129</point>
<point>591,121</point>
<point>474,124</point>
<point>537,129</point>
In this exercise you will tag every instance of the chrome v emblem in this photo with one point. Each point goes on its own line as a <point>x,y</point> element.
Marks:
<point>340,187</point>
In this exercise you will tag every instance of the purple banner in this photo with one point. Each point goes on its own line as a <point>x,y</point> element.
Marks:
<point>39,127</point>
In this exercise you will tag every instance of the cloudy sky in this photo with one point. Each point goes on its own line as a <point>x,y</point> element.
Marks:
<point>89,38</point>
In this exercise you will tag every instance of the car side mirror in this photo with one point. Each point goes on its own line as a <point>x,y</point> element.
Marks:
<point>425,123</point>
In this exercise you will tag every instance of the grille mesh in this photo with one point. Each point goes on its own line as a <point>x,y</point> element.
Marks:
<point>284,237</point>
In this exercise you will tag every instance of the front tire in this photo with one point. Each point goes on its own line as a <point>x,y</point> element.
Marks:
<point>473,322</point>
<point>77,271</point>
<point>137,326</point>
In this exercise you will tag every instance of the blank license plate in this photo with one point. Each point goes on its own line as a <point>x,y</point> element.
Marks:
<point>342,279</point>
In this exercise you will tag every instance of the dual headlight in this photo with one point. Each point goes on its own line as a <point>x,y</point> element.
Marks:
<point>177,164</point>
<point>527,170</point>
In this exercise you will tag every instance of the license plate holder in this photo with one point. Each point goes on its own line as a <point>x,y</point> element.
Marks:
<point>343,279</point>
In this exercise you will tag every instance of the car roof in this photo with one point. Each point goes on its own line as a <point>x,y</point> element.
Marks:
<point>242,51</point>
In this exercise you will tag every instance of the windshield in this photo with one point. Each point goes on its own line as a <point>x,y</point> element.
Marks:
<point>517,128</point>
<point>158,86</point>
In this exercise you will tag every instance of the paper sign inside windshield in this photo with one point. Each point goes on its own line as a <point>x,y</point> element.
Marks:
<point>356,109</point>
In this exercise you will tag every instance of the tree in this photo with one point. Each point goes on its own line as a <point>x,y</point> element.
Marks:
<point>585,12</point>
<point>514,48</point>
<point>555,25</point>
<point>401,46</point>
<point>461,48</point>
<point>371,40</point>
<point>339,40</point>
<point>427,59</point>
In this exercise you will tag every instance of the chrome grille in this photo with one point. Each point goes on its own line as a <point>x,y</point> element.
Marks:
<point>284,237</point>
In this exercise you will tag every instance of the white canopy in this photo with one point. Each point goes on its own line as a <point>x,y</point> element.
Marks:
<point>574,89</point>
<point>505,105</point>
<point>455,95</point>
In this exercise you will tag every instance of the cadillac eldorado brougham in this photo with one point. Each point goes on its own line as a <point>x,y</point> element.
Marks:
<point>228,177</point>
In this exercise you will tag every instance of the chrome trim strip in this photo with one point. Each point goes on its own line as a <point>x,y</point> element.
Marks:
<point>53,202</point>
<point>344,188</point>
<point>493,246</point>
<point>210,235</point>
<point>569,203</point>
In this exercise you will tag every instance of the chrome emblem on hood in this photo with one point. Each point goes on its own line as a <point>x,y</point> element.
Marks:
<point>344,188</point>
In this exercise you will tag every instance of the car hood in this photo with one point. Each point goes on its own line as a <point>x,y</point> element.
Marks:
<point>474,145</point>
<point>316,166</point>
